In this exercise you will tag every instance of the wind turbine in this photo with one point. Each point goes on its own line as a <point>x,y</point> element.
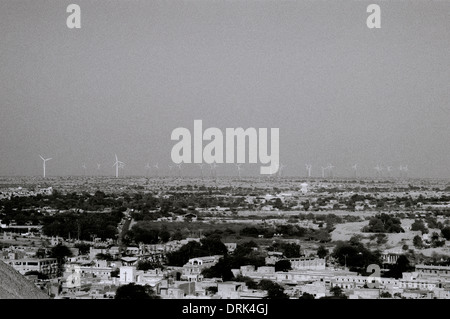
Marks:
<point>98,166</point>
<point>378,168</point>
<point>156,168</point>
<point>118,164</point>
<point>355,168</point>
<point>84,168</point>
<point>330,167</point>
<point>280,170</point>
<point>122,166</point>
<point>179,169</point>
<point>323,171</point>
<point>201,168</point>
<point>308,169</point>
<point>239,170</point>
<point>389,170</point>
<point>212,167</point>
<point>147,168</point>
<point>405,169</point>
<point>45,160</point>
<point>170,168</point>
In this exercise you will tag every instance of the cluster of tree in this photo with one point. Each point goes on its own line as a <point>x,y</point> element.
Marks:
<point>287,231</point>
<point>419,225</point>
<point>83,248</point>
<point>418,242</point>
<point>82,225</point>
<point>379,238</point>
<point>274,290</point>
<point>289,250</point>
<point>77,201</point>
<point>244,254</point>
<point>383,223</point>
<point>60,252</point>
<point>435,241</point>
<point>354,255</point>
<point>322,251</point>
<point>147,265</point>
<point>445,231</point>
<point>336,293</point>
<point>148,233</point>
<point>402,265</point>
<point>134,292</point>
<point>208,246</point>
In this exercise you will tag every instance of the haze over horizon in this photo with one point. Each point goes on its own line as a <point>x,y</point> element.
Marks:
<point>339,92</point>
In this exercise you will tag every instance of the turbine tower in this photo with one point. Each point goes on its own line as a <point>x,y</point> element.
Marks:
<point>308,169</point>
<point>201,168</point>
<point>389,171</point>
<point>378,168</point>
<point>239,170</point>
<point>118,164</point>
<point>355,168</point>
<point>147,168</point>
<point>122,166</point>
<point>323,171</point>
<point>330,167</point>
<point>44,160</point>
<point>212,167</point>
<point>405,169</point>
<point>280,170</point>
<point>156,169</point>
<point>179,169</point>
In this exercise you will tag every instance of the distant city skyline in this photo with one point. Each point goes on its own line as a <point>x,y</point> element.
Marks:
<point>339,92</point>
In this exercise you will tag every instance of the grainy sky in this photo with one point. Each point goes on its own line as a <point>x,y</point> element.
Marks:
<point>339,92</point>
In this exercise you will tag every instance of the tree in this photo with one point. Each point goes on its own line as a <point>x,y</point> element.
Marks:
<point>385,294</point>
<point>417,241</point>
<point>37,273</point>
<point>132,291</point>
<point>322,252</point>
<point>337,291</point>
<point>60,252</point>
<point>249,282</point>
<point>355,256</point>
<point>177,235</point>
<point>446,232</point>
<point>164,236</point>
<point>146,265</point>
<point>212,290</point>
<point>213,245</point>
<point>383,223</point>
<point>402,265</point>
<point>278,204</point>
<point>283,265</point>
<point>220,270</point>
<point>419,225</point>
<point>274,290</point>
<point>83,247</point>
<point>102,256</point>
<point>306,295</point>
<point>115,273</point>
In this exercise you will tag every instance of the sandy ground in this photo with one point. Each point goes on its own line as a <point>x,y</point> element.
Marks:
<point>394,240</point>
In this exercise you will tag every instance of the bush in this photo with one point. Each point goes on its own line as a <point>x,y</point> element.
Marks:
<point>383,223</point>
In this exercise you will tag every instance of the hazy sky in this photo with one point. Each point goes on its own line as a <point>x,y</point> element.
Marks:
<point>339,92</point>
